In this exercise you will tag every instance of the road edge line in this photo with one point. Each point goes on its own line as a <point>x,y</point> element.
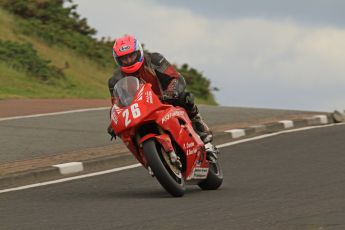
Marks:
<point>251,133</point>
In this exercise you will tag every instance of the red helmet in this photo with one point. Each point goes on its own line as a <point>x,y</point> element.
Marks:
<point>128,53</point>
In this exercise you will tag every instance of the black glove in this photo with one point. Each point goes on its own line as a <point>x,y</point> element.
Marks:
<point>171,92</point>
<point>169,95</point>
<point>186,98</point>
<point>111,132</point>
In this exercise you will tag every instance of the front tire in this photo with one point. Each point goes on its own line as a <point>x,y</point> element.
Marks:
<point>165,175</point>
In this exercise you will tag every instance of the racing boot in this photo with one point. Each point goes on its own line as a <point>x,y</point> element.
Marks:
<point>206,136</point>
<point>202,129</point>
<point>212,152</point>
<point>199,125</point>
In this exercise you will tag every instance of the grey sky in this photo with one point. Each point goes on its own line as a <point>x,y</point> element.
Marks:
<point>259,53</point>
<point>323,12</point>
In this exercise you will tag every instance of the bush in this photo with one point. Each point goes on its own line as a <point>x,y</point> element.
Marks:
<point>196,82</point>
<point>50,12</point>
<point>59,25</point>
<point>25,58</point>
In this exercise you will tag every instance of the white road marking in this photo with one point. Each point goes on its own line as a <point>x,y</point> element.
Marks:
<point>70,178</point>
<point>275,134</point>
<point>287,124</point>
<point>53,114</point>
<point>323,118</point>
<point>236,133</point>
<point>70,167</point>
<point>138,165</point>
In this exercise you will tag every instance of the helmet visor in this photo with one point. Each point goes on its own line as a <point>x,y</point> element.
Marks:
<point>128,59</point>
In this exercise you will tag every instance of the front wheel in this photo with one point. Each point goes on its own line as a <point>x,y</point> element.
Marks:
<point>167,174</point>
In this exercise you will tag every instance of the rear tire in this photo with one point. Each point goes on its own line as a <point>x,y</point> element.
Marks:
<point>164,174</point>
<point>214,178</point>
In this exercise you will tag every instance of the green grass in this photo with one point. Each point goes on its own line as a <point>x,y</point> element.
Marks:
<point>84,78</point>
<point>210,101</point>
<point>15,84</point>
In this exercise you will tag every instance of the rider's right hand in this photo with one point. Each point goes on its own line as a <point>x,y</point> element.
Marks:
<point>111,132</point>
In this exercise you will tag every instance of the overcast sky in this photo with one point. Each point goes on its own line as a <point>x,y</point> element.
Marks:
<point>272,54</point>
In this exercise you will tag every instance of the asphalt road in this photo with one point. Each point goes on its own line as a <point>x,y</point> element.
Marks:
<point>290,181</point>
<point>30,138</point>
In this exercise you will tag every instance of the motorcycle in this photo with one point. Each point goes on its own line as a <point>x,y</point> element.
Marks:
<point>161,137</point>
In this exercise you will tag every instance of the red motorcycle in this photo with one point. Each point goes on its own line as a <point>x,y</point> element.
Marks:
<point>162,139</point>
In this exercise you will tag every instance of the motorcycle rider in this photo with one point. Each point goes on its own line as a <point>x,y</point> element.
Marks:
<point>155,69</point>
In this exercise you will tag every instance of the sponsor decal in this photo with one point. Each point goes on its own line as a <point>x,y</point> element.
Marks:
<point>188,145</point>
<point>124,48</point>
<point>172,114</point>
<point>199,173</point>
<point>190,148</point>
<point>192,151</point>
<point>149,98</point>
<point>115,118</point>
<point>140,95</point>
<point>118,110</point>
<point>115,113</point>
<point>141,90</point>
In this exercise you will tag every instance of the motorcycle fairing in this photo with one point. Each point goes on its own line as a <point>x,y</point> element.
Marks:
<point>176,121</point>
<point>124,118</point>
<point>147,107</point>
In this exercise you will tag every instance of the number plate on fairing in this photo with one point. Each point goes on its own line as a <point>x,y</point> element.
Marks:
<point>199,173</point>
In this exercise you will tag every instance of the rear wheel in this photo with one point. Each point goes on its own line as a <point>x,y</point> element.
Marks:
<point>214,178</point>
<point>167,174</point>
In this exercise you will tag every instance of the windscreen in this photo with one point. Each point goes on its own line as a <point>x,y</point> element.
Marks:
<point>125,91</point>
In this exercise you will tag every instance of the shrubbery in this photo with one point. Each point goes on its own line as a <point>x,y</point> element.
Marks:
<point>50,12</point>
<point>24,57</point>
<point>98,51</point>
<point>59,25</point>
<point>196,82</point>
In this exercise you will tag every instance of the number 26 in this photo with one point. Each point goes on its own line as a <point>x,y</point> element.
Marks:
<point>135,113</point>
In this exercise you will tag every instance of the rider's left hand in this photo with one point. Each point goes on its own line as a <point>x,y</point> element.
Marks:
<point>170,95</point>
